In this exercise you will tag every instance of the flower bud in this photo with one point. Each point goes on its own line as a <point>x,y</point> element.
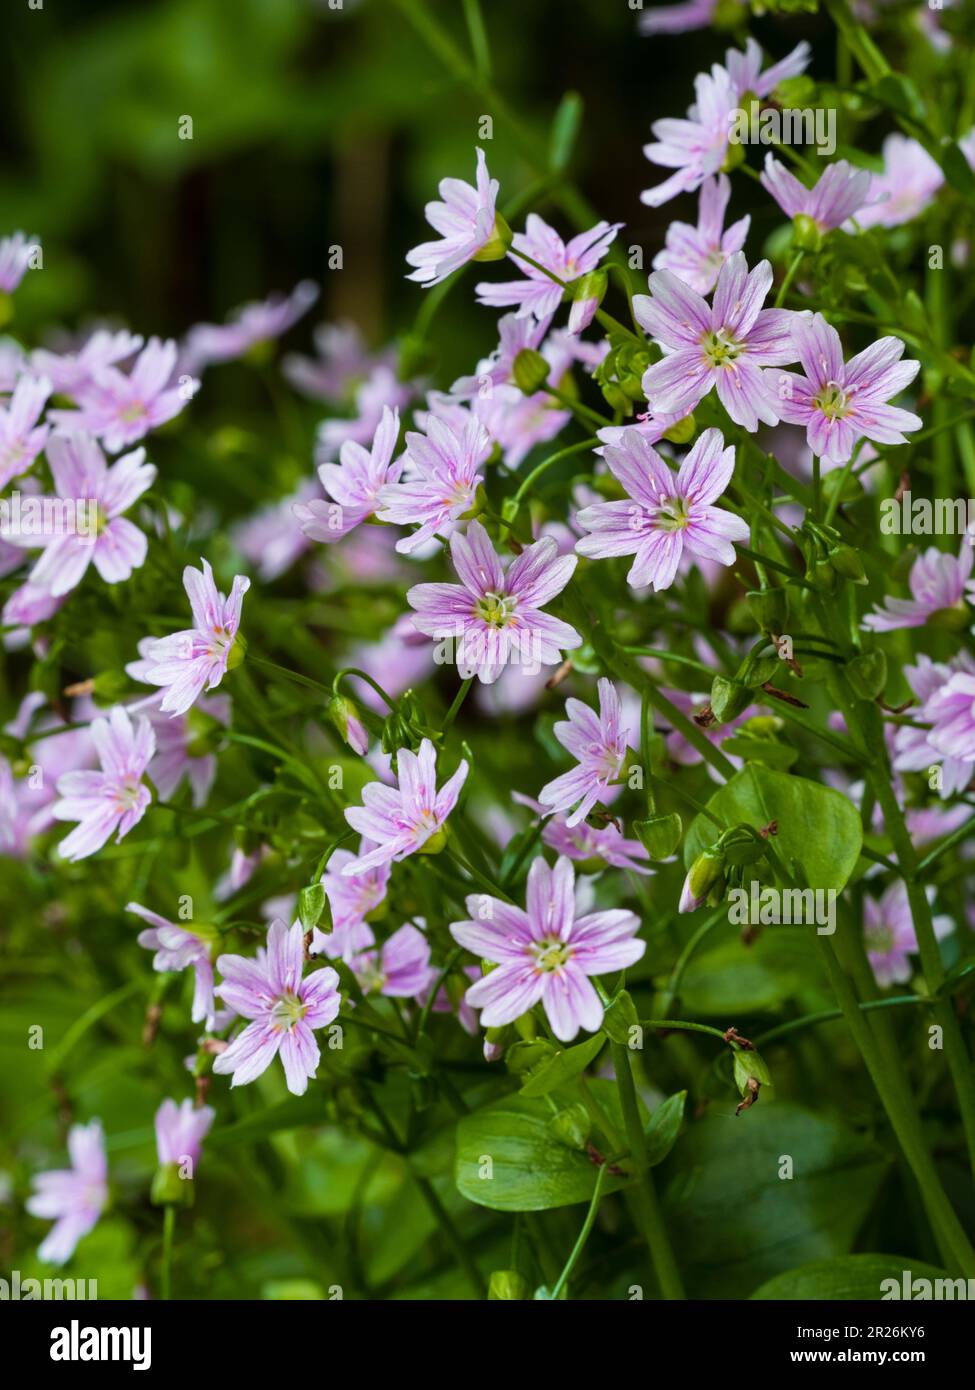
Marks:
<point>436,842</point>
<point>770,608</point>
<point>507,1285</point>
<point>729,698</point>
<point>847,563</point>
<point>706,871</point>
<point>530,371</point>
<point>344,715</point>
<point>867,674</point>
<point>169,1189</point>
<point>660,835</point>
<point>807,235</point>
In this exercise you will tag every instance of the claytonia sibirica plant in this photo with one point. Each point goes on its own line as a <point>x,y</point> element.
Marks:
<point>582,806</point>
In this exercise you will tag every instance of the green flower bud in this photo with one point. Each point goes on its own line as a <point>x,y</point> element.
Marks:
<point>770,608</point>
<point>824,575</point>
<point>867,674</point>
<point>591,286</point>
<point>660,835</point>
<point>616,398</point>
<point>530,371</point>
<point>705,873</point>
<point>311,901</point>
<point>750,1066</point>
<point>807,235</point>
<point>169,1189</point>
<point>741,845</point>
<point>847,563</point>
<point>507,1285</point>
<point>729,698</point>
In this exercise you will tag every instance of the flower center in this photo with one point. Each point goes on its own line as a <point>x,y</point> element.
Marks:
<point>833,401</point>
<point>718,349</point>
<point>551,956</point>
<point>497,610</point>
<point>286,1012</point>
<point>674,514</point>
<point>132,412</point>
<point>128,794</point>
<point>879,938</point>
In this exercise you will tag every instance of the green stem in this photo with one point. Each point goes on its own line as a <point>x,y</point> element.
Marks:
<point>166,1273</point>
<point>459,699</point>
<point>645,1195</point>
<point>790,275</point>
<point>587,1226</point>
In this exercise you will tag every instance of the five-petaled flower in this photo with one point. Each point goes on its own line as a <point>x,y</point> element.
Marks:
<point>73,1198</point>
<point>599,744</point>
<point>495,616</point>
<point>196,659</point>
<point>114,799</point>
<point>545,953</point>
<point>665,513</point>
<point>403,819</point>
<point>284,1007</point>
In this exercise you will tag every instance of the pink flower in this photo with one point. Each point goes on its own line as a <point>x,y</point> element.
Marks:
<point>696,254</point>
<point>197,658</point>
<point>400,820</point>
<point>400,969</point>
<point>21,437</point>
<point>888,930</point>
<point>351,901</point>
<point>284,1009</point>
<point>907,186</point>
<point>545,954</point>
<point>515,333</point>
<point>665,513</point>
<point>15,258</point>
<point>249,326</point>
<point>26,802</point>
<point>180,948</point>
<point>467,223</point>
<point>185,744</point>
<point>721,345</point>
<point>839,192</point>
<point>937,582</point>
<point>914,748</point>
<point>84,482</point>
<point>343,360</point>
<point>443,473</point>
<point>269,539</point>
<point>381,391</point>
<point>951,709</point>
<point>538,294</point>
<point>114,799</point>
<point>180,1132</point>
<point>70,372</point>
<point>599,745</point>
<point>587,842</point>
<point>696,146</point>
<point>745,69</point>
<point>492,616</point>
<point>840,402</point>
<point>354,484</point>
<point>122,409</point>
<point>679,19</point>
<point>73,1198</point>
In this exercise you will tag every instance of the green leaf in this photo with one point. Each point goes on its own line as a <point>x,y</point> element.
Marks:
<point>846,1277</point>
<point>818,829</point>
<point>508,1159</point>
<point>736,1216</point>
<point>567,1063</point>
<point>565,129</point>
<point>664,1127</point>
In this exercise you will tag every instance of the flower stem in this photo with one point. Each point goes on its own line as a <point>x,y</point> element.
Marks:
<point>583,1236</point>
<point>645,1195</point>
<point>166,1273</point>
